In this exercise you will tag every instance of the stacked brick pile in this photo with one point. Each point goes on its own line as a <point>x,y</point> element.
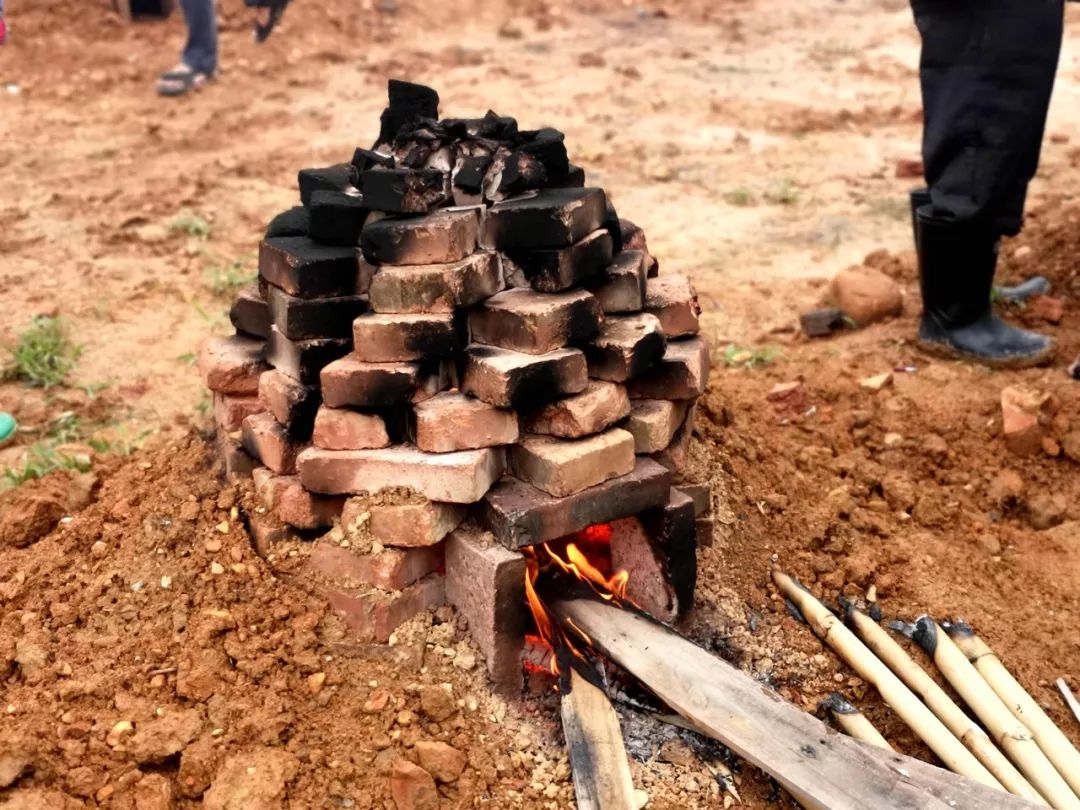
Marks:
<point>452,318</point>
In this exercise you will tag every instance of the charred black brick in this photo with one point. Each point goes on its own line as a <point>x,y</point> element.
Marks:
<point>552,218</point>
<point>304,268</point>
<point>303,359</point>
<point>250,313</point>
<point>549,147</point>
<point>612,225</point>
<point>364,159</point>
<point>331,178</point>
<point>294,222</point>
<point>556,270</point>
<point>470,175</point>
<point>408,102</point>
<point>404,191</point>
<point>522,172</point>
<point>674,529</point>
<point>574,179</point>
<point>307,318</point>
<point>821,322</point>
<point>337,217</point>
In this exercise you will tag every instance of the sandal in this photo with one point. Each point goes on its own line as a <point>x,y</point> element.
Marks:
<point>180,81</point>
<point>277,9</point>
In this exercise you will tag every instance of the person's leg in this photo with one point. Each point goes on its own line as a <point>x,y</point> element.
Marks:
<point>987,71</point>
<point>200,52</point>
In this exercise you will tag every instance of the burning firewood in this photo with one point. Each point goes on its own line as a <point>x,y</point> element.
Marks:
<point>821,770</point>
<point>1012,735</point>
<point>598,759</point>
<point>1053,743</point>
<point>852,721</point>
<point>892,690</point>
<point>965,729</point>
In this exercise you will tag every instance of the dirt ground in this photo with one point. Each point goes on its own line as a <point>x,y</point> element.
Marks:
<point>756,143</point>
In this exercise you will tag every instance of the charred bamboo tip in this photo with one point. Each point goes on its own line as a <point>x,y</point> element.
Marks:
<point>925,634</point>
<point>903,628</point>
<point>838,704</point>
<point>957,628</point>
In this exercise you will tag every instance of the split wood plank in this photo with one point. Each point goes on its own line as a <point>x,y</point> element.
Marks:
<point>822,769</point>
<point>594,740</point>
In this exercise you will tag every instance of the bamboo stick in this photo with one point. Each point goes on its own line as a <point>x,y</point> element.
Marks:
<point>1070,698</point>
<point>820,768</point>
<point>1012,735</point>
<point>922,721</point>
<point>1057,747</point>
<point>853,722</point>
<point>954,718</point>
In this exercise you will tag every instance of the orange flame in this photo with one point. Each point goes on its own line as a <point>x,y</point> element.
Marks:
<point>584,556</point>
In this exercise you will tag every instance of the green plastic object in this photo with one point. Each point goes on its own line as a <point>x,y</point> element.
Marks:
<point>7,426</point>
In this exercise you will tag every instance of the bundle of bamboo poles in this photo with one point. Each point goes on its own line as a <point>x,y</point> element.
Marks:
<point>1023,753</point>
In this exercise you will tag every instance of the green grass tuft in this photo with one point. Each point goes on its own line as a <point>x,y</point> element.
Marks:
<point>43,355</point>
<point>743,357</point>
<point>192,224</point>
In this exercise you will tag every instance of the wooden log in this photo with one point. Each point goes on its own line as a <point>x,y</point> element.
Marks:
<point>918,681</point>
<point>594,740</point>
<point>1057,747</point>
<point>821,768</point>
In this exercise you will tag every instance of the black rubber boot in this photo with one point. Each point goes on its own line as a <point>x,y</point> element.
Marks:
<point>919,197</point>
<point>956,271</point>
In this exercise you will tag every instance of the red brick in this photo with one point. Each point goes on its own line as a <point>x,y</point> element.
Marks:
<point>436,287</point>
<point>562,467</point>
<point>230,411</point>
<point>621,288</point>
<point>390,569</point>
<point>683,373</point>
<point>1025,416</point>
<point>409,525</point>
<point>268,530</point>
<point>232,365</point>
<point>340,429</point>
<point>672,299</point>
<point>654,423</point>
<point>453,421</point>
<point>438,238</point>
<point>673,528</point>
<point>706,532</point>
<point>250,313</point>
<point>461,477</point>
<point>633,551</point>
<point>627,347</point>
<point>393,338</point>
<point>519,514</point>
<point>676,455</point>
<point>284,496</point>
<point>265,439</point>
<point>701,495</point>
<point>508,379</point>
<point>373,615</point>
<point>485,582</point>
<point>289,402</point>
<point>597,408</point>
<point>351,382</point>
<point>536,323</point>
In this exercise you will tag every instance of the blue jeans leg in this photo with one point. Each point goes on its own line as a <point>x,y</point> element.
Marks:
<point>200,52</point>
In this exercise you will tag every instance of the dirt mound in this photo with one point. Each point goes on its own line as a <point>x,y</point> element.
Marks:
<point>145,648</point>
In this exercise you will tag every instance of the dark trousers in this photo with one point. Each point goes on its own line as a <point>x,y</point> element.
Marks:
<point>987,72</point>
<point>201,51</point>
